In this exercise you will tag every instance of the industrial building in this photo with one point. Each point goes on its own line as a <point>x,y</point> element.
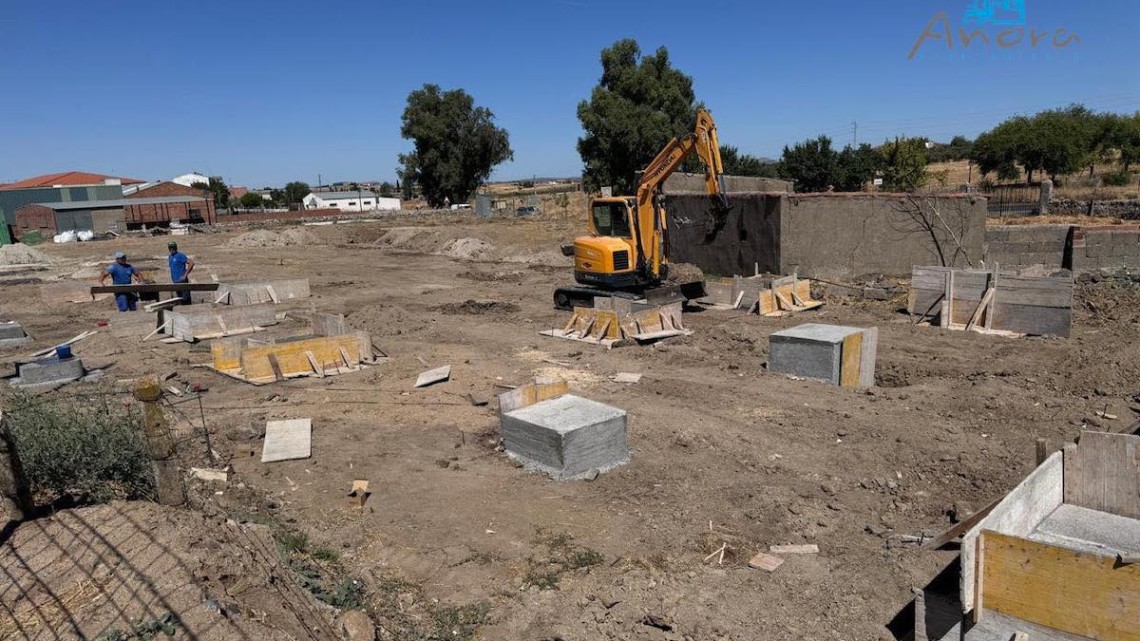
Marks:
<point>349,201</point>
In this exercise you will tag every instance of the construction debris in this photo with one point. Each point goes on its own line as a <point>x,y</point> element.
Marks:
<point>48,372</point>
<point>12,333</point>
<point>763,294</point>
<point>627,377</point>
<point>208,475</point>
<point>765,562</point>
<point>261,292</point>
<point>70,341</point>
<point>287,440</point>
<point>359,493</point>
<point>201,322</point>
<point>810,548</point>
<point>433,376</point>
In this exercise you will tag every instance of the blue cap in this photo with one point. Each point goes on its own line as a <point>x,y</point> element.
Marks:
<point>119,255</point>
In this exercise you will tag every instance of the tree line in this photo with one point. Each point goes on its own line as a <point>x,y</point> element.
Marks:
<point>641,101</point>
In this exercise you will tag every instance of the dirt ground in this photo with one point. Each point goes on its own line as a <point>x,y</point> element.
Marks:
<point>723,451</point>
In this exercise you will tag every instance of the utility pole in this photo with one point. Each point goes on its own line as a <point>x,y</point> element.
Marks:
<point>854,134</point>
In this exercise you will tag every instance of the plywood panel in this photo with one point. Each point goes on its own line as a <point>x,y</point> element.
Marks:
<point>531,393</point>
<point>1102,473</point>
<point>850,361</point>
<point>1062,589</point>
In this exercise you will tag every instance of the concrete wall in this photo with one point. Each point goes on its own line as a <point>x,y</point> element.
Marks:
<point>855,235</point>
<point>680,183</point>
<point>821,235</point>
<point>1024,245</point>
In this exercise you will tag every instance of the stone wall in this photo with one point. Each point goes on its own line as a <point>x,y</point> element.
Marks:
<point>1111,248</point>
<point>1123,209</point>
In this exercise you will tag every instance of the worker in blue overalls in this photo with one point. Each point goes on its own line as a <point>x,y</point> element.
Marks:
<point>122,273</point>
<point>180,268</point>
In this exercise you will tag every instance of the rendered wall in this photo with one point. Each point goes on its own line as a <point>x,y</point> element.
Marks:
<point>821,235</point>
<point>680,183</point>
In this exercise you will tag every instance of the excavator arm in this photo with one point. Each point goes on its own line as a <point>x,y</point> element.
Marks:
<point>650,219</point>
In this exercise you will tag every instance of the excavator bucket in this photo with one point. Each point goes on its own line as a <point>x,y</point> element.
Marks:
<point>786,296</point>
<point>614,322</point>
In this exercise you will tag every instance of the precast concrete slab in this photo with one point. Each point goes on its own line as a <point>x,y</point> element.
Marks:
<point>12,333</point>
<point>831,353</point>
<point>566,437</point>
<point>47,372</point>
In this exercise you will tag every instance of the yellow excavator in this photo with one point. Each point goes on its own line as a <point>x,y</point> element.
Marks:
<point>625,255</point>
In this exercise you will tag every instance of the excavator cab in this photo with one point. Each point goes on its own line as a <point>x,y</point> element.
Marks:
<point>608,256</point>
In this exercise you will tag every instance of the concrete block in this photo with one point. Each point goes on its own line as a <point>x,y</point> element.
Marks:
<point>12,333</point>
<point>830,353</point>
<point>566,437</point>
<point>48,371</point>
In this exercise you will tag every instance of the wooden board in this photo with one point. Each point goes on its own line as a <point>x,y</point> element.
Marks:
<point>809,548</point>
<point>329,325</point>
<point>433,376</point>
<point>236,358</point>
<point>287,440</point>
<point>1102,473</point>
<point>531,393</point>
<point>850,360</point>
<point>765,562</point>
<point>1040,306</point>
<point>1059,588</point>
<point>153,288</point>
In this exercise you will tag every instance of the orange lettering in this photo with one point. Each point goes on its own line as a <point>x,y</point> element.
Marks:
<point>1003,40</point>
<point>1067,42</point>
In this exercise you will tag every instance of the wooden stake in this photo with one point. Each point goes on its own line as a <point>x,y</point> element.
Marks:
<point>1042,450</point>
<point>161,328</point>
<point>160,444</point>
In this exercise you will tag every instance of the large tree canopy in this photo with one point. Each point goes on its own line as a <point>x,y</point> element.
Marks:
<point>640,103</point>
<point>456,144</point>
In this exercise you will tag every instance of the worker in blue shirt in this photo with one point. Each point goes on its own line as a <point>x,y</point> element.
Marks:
<point>180,268</point>
<point>122,273</point>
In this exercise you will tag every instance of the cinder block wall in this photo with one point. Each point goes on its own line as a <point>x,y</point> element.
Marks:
<point>1110,248</point>
<point>1023,245</point>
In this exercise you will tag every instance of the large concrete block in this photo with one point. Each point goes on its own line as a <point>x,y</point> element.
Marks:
<point>566,437</point>
<point>12,333</point>
<point>48,371</point>
<point>832,353</point>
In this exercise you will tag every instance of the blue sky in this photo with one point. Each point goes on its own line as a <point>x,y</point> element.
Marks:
<point>263,92</point>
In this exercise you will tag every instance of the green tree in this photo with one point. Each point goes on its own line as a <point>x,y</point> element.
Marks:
<point>904,164</point>
<point>277,197</point>
<point>218,188</point>
<point>1125,137</point>
<point>997,150</point>
<point>456,143</point>
<point>812,164</point>
<point>738,164</point>
<point>386,190</point>
<point>295,192</point>
<point>639,105</point>
<point>250,199</point>
<point>857,167</point>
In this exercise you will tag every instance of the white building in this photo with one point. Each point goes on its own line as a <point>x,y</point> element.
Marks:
<point>189,179</point>
<point>349,201</point>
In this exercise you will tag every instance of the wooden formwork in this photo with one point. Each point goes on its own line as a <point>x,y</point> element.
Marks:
<point>614,322</point>
<point>318,356</point>
<point>764,294</point>
<point>993,301</point>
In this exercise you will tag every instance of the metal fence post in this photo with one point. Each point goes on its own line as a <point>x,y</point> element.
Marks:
<point>160,444</point>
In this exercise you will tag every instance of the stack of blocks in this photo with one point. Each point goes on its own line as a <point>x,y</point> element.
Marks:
<point>838,355</point>
<point>566,437</point>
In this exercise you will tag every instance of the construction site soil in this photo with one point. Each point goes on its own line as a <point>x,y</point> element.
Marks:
<point>724,454</point>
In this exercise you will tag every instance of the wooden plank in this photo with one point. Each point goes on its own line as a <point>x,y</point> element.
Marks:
<point>329,324</point>
<point>168,303</point>
<point>277,375</point>
<point>433,376</point>
<point>344,357</point>
<point>810,548</point>
<point>158,329</point>
<point>287,440</point>
<point>291,357</point>
<point>1034,321</point>
<point>153,288</point>
<point>531,393</point>
<point>766,562</point>
<point>1102,473</point>
<point>960,528</point>
<point>986,300</point>
<point>318,368</point>
<point>1059,588</point>
<point>850,360</point>
<point>272,294</point>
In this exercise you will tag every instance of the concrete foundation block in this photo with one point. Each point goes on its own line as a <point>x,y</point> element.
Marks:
<point>48,371</point>
<point>12,333</point>
<point>566,437</point>
<point>831,353</point>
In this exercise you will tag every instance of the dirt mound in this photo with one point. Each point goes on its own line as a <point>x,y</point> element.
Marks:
<point>18,254</point>
<point>266,238</point>
<point>128,569</point>
<point>467,248</point>
<point>685,273</point>
<point>478,307</point>
<point>543,258</point>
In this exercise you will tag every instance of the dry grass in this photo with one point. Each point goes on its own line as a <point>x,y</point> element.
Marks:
<point>1054,220</point>
<point>1074,186</point>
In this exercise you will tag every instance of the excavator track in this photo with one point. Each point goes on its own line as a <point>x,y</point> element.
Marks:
<point>568,298</point>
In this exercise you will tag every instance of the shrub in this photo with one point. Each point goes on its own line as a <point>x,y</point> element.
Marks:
<point>1117,179</point>
<point>94,452</point>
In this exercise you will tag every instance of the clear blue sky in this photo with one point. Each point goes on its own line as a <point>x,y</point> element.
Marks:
<point>263,92</point>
